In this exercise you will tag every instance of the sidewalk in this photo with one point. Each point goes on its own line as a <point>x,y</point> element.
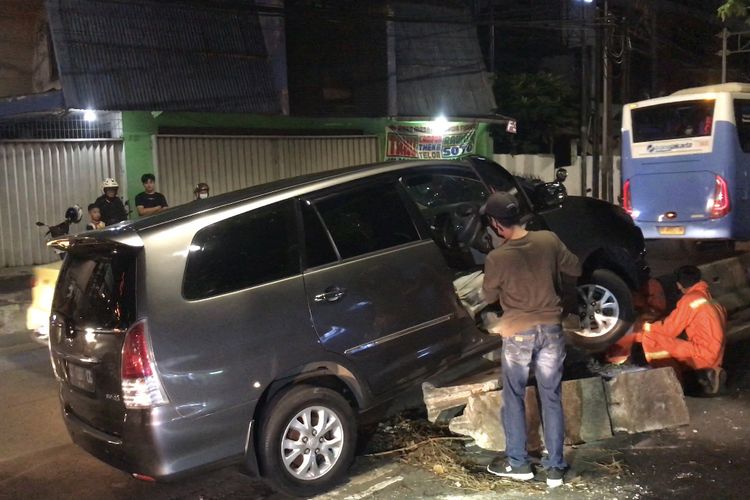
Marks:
<point>15,298</point>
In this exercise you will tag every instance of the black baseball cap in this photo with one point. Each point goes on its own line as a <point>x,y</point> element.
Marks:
<point>503,206</point>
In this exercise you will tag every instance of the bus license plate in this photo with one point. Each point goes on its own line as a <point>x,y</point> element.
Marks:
<point>81,377</point>
<point>672,230</point>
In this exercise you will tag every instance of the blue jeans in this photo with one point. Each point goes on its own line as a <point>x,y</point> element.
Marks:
<point>542,347</point>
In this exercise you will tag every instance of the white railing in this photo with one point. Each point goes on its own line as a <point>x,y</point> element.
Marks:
<point>543,167</point>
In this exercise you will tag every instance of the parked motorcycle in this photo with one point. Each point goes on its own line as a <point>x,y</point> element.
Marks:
<point>45,277</point>
<point>73,215</point>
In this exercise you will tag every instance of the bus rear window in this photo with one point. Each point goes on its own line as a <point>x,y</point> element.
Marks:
<point>676,120</point>
<point>97,289</point>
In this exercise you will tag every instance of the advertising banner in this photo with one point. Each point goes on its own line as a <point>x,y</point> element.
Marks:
<point>423,143</point>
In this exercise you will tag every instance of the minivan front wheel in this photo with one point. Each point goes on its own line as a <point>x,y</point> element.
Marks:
<point>605,311</point>
<point>307,441</point>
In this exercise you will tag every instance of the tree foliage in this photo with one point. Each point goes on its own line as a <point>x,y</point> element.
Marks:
<point>733,8</point>
<point>544,106</point>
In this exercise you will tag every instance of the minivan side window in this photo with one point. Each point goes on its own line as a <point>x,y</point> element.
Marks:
<point>435,191</point>
<point>318,248</point>
<point>243,251</point>
<point>367,219</point>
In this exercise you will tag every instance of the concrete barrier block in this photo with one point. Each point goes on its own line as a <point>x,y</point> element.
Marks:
<point>584,407</point>
<point>728,281</point>
<point>481,421</point>
<point>646,400</point>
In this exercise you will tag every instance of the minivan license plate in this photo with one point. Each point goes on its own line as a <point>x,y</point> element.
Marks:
<point>672,230</point>
<point>81,377</point>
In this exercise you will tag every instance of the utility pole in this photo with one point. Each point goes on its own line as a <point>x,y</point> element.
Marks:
<point>606,108</point>
<point>743,47</point>
<point>492,37</point>
<point>724,35</point>
<point>596,92</point>
<point>584,140</point>
<point>654,52</point>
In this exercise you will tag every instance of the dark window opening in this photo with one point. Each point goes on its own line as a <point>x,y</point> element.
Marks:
<point>678,120</point>
<point>367,219</point>
<point>97,289</point>
<point>246,250</point>
<point>742,120</point>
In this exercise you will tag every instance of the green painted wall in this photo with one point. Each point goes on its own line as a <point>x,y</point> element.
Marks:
<point>139,127</point>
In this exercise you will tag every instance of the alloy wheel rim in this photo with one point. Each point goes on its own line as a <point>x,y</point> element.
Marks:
<point>598,311</point>
<point>312,443</point>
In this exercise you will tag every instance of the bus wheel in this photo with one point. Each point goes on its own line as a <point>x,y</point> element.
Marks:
<point>605,311</point>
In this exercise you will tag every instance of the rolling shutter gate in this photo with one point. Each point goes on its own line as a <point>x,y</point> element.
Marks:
<point>227,163</point>
<point>39,180</point>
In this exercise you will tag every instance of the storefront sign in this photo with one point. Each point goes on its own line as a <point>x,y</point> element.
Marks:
<point>422,142</point>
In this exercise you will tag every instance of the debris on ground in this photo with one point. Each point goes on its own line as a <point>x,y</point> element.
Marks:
<point>434,449</point>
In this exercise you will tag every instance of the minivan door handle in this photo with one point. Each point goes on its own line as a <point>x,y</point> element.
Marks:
<point>331,294</point>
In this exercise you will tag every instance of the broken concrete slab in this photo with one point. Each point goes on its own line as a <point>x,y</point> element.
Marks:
<point>481,421</point>
<point>584,407</point>
<point>443,403</point>
<point>646,401</point>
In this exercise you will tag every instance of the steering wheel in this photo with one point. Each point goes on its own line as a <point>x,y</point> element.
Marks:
<point>458,228</point>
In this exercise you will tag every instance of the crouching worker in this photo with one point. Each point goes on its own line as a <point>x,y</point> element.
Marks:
<point>650,304</point>
<point>703,320</point>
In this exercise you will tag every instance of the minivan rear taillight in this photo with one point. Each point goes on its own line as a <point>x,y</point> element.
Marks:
<point>721,205</point>
<point>141,387</point>
<point>627,202</point>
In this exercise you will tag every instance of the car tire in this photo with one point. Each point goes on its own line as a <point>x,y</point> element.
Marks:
<point>295,418</point>
<point>605,310</point>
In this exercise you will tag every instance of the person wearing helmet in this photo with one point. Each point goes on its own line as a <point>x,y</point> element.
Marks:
<point>201,191</point>
<point>110,205</point>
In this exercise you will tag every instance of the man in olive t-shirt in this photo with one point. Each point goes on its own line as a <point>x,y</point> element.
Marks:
<point>523,274</point>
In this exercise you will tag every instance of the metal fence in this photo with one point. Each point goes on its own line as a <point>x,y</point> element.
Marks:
<point>227,163</point>
<point>39,180</point>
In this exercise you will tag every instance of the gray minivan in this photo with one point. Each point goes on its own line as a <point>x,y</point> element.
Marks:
<point>255,326</point>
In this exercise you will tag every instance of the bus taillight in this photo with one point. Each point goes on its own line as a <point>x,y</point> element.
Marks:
<point>627,204</point>
<point>721,206</point>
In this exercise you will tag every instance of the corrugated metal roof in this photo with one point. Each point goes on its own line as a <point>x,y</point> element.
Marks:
<point>440,68</point>
<point>170,56</point>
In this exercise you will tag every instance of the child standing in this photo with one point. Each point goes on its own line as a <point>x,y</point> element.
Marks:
<point>96,221</point>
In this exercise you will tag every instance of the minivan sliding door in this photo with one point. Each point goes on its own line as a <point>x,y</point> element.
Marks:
<point>381,297</point>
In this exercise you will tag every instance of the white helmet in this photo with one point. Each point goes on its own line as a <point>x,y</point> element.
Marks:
<point>110,183</point>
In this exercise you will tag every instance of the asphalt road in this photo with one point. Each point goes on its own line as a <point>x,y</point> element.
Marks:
<point>705,458</point>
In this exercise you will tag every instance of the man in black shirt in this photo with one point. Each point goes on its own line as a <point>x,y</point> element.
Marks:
<point>149,201</point>
<point>110,205</point>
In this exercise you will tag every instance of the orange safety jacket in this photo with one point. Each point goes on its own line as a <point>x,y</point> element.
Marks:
<point>703,321</point>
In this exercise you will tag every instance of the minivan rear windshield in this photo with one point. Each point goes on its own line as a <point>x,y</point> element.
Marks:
<point>676,120</point>
<point>97,289</point>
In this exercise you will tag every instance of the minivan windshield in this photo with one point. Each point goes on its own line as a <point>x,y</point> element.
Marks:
<point>97,289</point>
<point>676,120</point>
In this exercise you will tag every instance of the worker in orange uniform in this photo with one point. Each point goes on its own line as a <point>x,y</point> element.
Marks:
<point>703,320</point>
<point>650,304</point>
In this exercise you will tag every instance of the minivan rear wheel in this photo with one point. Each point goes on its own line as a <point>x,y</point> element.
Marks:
<point>307,440</point>
<point>605,311</point>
